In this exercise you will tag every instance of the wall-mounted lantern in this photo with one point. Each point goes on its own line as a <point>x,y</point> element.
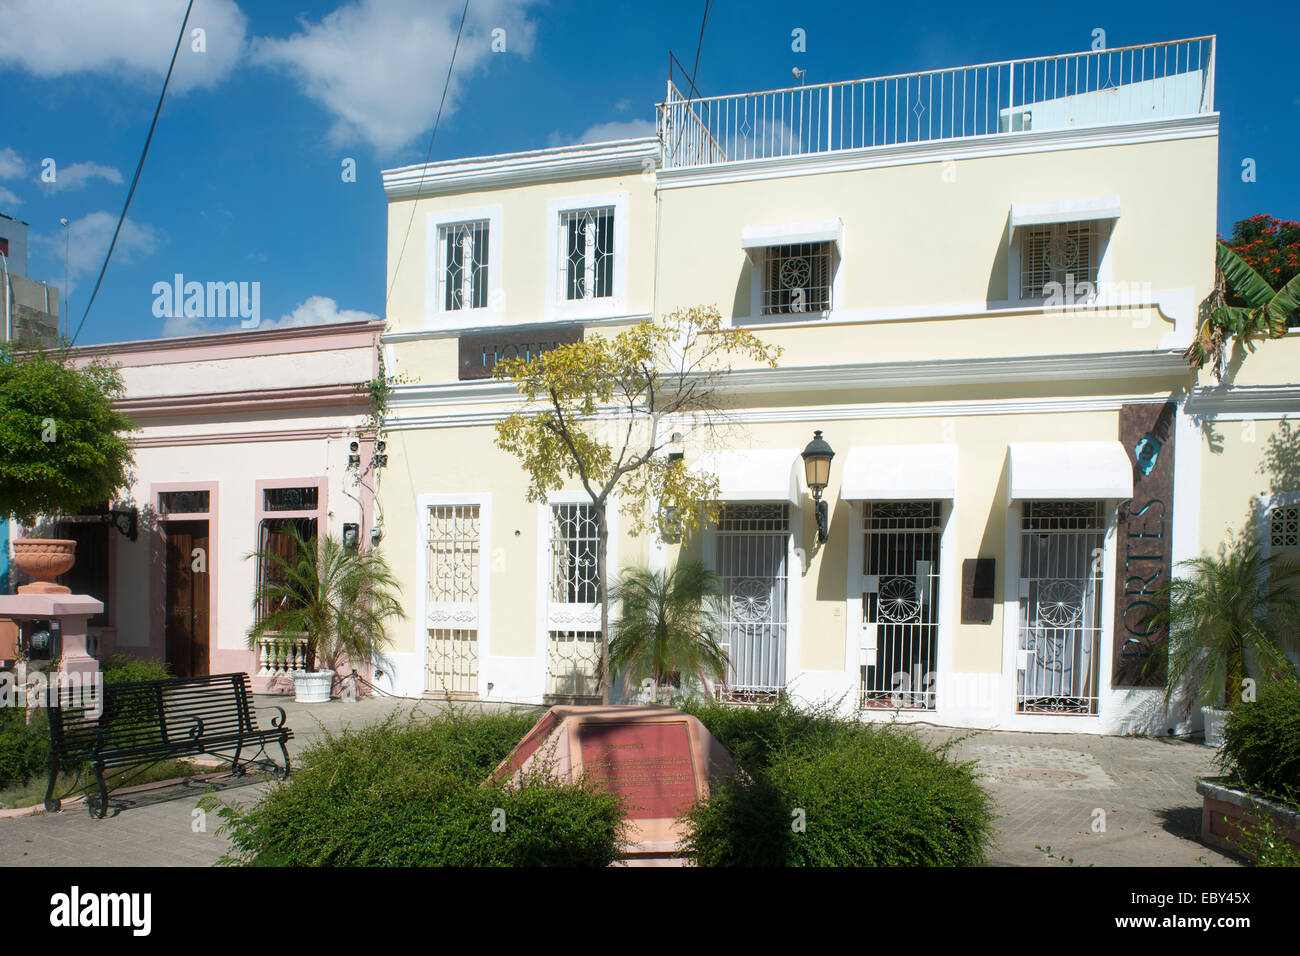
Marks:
<point>817,472</point>
<point>125,520</point>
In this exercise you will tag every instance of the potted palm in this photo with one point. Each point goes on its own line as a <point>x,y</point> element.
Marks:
<point>338,597</point>
<point>670,625</point>
<point>1226,619</point>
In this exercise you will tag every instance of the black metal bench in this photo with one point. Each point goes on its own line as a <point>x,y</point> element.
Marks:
<point>143,723</point>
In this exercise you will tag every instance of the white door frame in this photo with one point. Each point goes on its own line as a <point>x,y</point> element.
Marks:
<point>429,616</point>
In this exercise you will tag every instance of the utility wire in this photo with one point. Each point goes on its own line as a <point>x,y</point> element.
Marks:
<point>139,167</point>
<point>446,84</point>
<point>695,67</point>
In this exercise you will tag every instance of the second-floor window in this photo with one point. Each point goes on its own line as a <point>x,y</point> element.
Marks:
<point>464,265</point>
<point>1060,258</point>
<point>797,279</point>
<point>587,241</point>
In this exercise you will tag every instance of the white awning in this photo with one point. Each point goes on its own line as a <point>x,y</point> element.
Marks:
<point>1069,469</point>
<point>790,233</point>
<point>900,472</point>
<point>1063,210</point>
<point>756,474</point>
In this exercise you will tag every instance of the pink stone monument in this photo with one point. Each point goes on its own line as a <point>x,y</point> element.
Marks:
<point>658,759</point>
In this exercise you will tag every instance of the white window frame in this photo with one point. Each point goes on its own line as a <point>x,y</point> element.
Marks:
<point>435,315</point>
<point>1105,233</point>
<point>421,620</point>
<point>557,307</point>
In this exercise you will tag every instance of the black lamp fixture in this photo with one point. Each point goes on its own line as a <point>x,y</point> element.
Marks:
<point>354,456</point>
<point>817,471</point>
<point>125,519</point>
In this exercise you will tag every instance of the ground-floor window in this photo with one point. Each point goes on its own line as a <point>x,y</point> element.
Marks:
<point>752,549</point>
<point>900,604</point>
<point>1060,606</point>
<point>276,537</point>
<point>572,665</point>
<point>90,573</point>
<point>573,596</point>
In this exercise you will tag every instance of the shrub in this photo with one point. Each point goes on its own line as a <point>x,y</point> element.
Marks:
<point>24,747</point>
<point>122,669</point>
<point>1261,743</point>
<point>819,791</point>
<point>413,794</point>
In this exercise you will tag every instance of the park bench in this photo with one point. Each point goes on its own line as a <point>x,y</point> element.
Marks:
<point>142,723</point>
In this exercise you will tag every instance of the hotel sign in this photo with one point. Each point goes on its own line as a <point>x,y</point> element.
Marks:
<point>1143,541</point>
<point>480,352</point>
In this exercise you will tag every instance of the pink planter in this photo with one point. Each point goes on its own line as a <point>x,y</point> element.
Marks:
<point>1225,810</point>
<point>44,559</point>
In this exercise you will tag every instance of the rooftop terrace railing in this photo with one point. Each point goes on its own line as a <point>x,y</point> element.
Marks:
<point>1075,90</point>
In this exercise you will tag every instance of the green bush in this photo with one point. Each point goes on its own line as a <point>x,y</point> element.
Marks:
<point>1261,743</point>
<point>122,669</point>
<point>24,747</point>
<point>412,793</point>
<point>820,791</point>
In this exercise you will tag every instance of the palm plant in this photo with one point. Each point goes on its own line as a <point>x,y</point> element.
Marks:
<point>670,624</point>
<point>1226,620</point>
<point>339,597</point>
<point>1266,312</point>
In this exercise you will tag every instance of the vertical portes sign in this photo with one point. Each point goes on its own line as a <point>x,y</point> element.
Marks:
<point>1143,538</point>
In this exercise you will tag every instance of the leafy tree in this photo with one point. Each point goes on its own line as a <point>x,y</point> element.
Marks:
<point>594,410</point>
<point>339,597</point>
<point>1227,621</point>
<point>62,443</point>
<point>669,624</point>
<point>1266,313</point>
<point>1269,246</point>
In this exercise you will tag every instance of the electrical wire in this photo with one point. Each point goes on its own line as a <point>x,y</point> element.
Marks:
<point>139,167</point>
<point>446,85</point>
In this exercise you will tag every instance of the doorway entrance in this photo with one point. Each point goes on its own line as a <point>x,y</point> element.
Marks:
<point>186,628</point>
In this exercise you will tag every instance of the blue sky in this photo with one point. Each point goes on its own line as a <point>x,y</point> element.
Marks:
<point>243,181</point>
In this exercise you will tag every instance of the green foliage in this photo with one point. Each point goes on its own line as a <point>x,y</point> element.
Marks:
<point>642,374</point>
<point>411,793</point>
<point>339,597</point>
<point>818,791</point>
<point>1269,246</point>
<point>1265,313</point>
<point>24,747</point>
<point>125,669</point>
<point>62,444</point>
<point>1261,743</point>
<point>669,624</point>
<point>1226,620</point>
<point>1266,845</point>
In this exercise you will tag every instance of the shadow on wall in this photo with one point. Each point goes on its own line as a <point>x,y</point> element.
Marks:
<point>1280,465</point>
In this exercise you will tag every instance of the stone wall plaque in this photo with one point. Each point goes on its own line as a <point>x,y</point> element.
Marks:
<point>480,351</point>
<point>1143,543</point>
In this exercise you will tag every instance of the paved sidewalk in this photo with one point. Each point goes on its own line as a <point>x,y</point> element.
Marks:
<point>1047,789</point>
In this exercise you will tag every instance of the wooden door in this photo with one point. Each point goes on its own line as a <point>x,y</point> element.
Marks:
<point>187,598</point>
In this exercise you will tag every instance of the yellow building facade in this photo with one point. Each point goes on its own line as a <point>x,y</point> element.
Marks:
<point>982,281</point>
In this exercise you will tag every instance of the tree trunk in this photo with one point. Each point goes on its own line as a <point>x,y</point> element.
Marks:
<point>602,549</point>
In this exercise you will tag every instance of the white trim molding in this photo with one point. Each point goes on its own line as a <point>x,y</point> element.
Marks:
<point>1063,210</point>
<point>639,155</point>
<point>793,233</point>
<point>1236,402</point>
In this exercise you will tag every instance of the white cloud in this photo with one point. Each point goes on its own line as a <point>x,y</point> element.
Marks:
<point>126,38</point>
<point>316,310</point>
<point>8,198</point>
<point>90,236</point>
<point>378,66</point>
<point>605,132</point>
<point>77,175</point>
<point>11,164</point>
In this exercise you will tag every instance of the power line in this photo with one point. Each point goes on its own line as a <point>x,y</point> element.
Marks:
<point>139,167</point>
<point>446,84</point>
<point>695,67</point>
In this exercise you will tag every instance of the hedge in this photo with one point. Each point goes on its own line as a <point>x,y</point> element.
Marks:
<point>819,791</point>
<point>412,793</point>
<point>1261,743</point>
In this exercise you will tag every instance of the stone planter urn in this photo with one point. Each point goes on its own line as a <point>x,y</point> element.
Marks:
<point>312,687</point>
<point>44,559</point>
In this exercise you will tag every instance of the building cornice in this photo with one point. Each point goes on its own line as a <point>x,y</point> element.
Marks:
<point>1244,401</point>
<point>252,342</point>
<point>473,403</point>
<point>242,437</point>
<point>520,169</point>
<point>421,335</point>
<point>351,396</point>
<point>938,151</point>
